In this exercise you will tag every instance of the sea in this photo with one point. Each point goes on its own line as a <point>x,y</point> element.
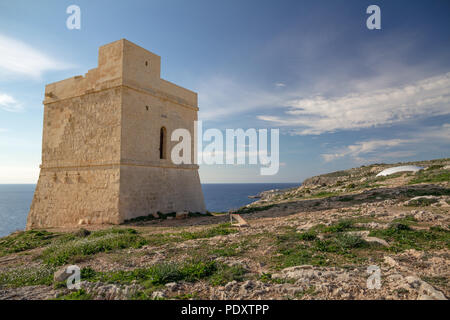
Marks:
<point>15,200</point>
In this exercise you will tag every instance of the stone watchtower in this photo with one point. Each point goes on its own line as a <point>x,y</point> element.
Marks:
<point>106,144</point>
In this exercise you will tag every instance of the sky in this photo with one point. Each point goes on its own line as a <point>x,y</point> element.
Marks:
<point>341,95</point>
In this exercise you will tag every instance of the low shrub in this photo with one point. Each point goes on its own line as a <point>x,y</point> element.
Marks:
<point>76,295</point>
<point>402,237</point>
<point>27,276</point>
<point>60,253</point>
<point>25,240</point>
<point>162,273</point>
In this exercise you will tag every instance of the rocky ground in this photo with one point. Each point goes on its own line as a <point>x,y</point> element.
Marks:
<point>332,238</point>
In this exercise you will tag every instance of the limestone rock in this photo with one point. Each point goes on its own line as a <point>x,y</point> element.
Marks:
<point>158,295</point>
<point>390,261</point>
<point>428,292</point>
<point>182,215</point>
<point>61,275</point>
<point>376,240</point>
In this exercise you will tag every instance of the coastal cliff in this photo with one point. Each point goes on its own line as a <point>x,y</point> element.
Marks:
<point>342,235</point>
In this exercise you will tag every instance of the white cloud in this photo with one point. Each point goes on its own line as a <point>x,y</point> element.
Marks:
<point>8,103</point>
<point>280,84</point>
<point>437,133</point>
<point>434,136</point>
<point>221,97</point>
<point>317,115</point>
<point>364,147</point>
<point>17,57</point>
<point>399,154</point>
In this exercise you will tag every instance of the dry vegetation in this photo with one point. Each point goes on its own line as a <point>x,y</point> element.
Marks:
<point>311,242</point>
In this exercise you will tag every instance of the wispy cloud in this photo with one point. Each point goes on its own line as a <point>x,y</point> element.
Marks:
<point>222,97</point>
<point>382,149</point>
<point>19,58</point>
<point>317,115</point>
<point>334,84</point>
<point>8,103</point>
<point>364,148</point>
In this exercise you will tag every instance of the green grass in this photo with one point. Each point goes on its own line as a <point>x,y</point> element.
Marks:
<point>220,230</point>
<point>341,226</point>
<point>225,251</point>
<point>230,250</point>
<point>336,174</point>
<point>164,238</point>
<point>311,291</point>
<point>368,185</point>
<point>225,274</point>
<point>292,251</point>
<point>162,273</point>
<point>163,216</point>
<point>434,167</point>
<point>411,193</point>
<point>324,194</point>
<point>421,202</point>
<point>267,278</point>
<point>340,243</point>
<point>246,210</point>
<point>22,241</point>
<point>76,295</point>
<point>402,237</point>
<point>186,296</point>
<point>408,221</point>
<point>345,198</point>
<point>350,186</point>
<point>59,253</point>
<point>422,177</point>
<point>298,255</point>
<point>335,246</point>
<point>308,236</point>
<point>27,276</point>
<point>158,274</point>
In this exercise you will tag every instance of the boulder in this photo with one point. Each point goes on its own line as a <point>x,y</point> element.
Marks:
<point>61,275</point>
<point>182,215</point>
<point>158,295</point>
<point>376,240</point>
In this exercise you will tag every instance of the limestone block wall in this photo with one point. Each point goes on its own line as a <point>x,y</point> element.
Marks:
<point>80,171</point>
<point>78,196</point>
<point>108,74</point>
<point>150,184</point>
<point>101,138</point>
<point>82,130</point>
<point>146,190</point>
<point>143,115</point>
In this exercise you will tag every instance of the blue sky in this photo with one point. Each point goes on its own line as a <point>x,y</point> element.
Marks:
<point>341,95</point>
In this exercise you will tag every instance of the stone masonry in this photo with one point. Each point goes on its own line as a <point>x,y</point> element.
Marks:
<point>106,144</point>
